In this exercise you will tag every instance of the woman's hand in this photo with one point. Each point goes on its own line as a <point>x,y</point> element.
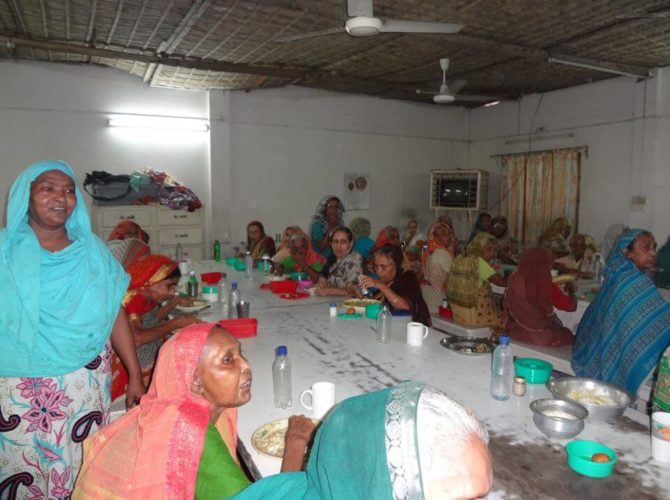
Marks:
<point>298,436</point>
<point>134,391</point>
<point>369,282</point>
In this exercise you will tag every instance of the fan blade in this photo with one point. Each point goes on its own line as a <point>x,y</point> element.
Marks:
<point>395,26</point>
<point>478,98</point>
<point>455,86</point>
<point>356,8</point>
<point>653,15</point>
<point>311,34</point>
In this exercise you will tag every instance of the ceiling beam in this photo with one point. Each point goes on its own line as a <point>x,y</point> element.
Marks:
<point>117,16</point>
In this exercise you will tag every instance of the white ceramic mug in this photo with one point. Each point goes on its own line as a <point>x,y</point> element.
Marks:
<point>322,395</point>
<point>416,332</point>
<point>660,444</point>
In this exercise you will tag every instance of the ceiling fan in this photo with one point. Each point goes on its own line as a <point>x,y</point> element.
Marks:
<point>363,23</point>
<point>448,90</point>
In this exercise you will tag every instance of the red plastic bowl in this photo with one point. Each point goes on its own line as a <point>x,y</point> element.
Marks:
<point>284,286</point>
<point>240,328</point>
<point>211,278</point>
<point>445,312</point>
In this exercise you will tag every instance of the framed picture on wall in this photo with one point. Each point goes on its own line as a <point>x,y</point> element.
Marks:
<point>357,191</point>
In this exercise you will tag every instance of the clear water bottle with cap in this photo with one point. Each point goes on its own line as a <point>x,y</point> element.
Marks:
<point>179,252</point>
<point>502,370</point>
<point>224,297</point>
<point>598,268</point>
<point>235,297</point>
<point>248,264</point>
<point>384,319</point>
<point>281,378</point>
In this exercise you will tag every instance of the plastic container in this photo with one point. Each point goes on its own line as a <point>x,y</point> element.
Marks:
<point>210,293</point>
<point>248,264</point>
<point>235,297</point>
<point>372,310</point>
<point>240,328</point>
<point>502,371</point>
<point>283,286</point>
<point>298,276</point>
<point>445,312</point>
<point>211,278</point>
<point>580,455</point>
<point>384,325</point>
<point>192,285</point>
<point>231,261</point>
<point>217,251</point>
<point>535,371</point>
<point>239,264</point>
<point>281,378</point>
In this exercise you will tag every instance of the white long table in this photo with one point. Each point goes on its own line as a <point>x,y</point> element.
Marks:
<point>526,463</point>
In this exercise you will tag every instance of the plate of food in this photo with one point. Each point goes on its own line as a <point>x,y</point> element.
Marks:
<point>562,279</point>
<point>268,439</point>
<point>293,295</point>
<point>359,304</point>
<point>468,346</point>
<point>196,305</point>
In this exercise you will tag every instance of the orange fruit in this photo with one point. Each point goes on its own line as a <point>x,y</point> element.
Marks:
<point>351,310</point>
<point>600,457</point>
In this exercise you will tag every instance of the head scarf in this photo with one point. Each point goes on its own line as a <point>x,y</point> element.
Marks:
<point>311,256</point>
<point>150,270</point>
<point>265,243</point>
<point>623,333</point>
<point>154,450</point>
<point>282,249</point>
<point>463,280</point>
<point>360,226</point>
<point>128,251</point>
<point>383,237</point>
<point>128,229</point>
<point>611,235</point>
<point>553,238</point>
<point>479,227</point>
<point>319,217</point>
<point>58,308</point>
<point>528,294</point>
<point>434,243</point>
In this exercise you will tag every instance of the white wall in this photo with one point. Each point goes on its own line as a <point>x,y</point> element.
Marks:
<point>281,150</point>
<point>51,111</point>
<point>624,123</point>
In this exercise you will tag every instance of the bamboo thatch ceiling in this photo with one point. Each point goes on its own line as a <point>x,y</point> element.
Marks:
<point>503,50</point>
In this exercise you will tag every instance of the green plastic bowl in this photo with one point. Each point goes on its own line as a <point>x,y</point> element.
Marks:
<point>535,371</point>
<point>579,458</point>
<point>239,265</point>
<point>372,310</point>
<point>231,261</point>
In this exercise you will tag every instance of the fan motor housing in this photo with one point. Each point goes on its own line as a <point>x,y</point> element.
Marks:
<point>363,26</point>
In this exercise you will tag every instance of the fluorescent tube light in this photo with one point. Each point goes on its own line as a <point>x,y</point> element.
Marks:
<point>159,123</point>
<point>534,138</point>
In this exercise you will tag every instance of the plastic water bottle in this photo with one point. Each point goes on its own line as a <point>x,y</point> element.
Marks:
<point>217,251</point>
<point>598,268</point>
<point>281,378</point>
<point>248,265</point>
<point>179,252</point>
<point>192,285</point>
<point>384,319</point>
<point>235,297</point>
<point>502,370</point>
<point>224,297</point>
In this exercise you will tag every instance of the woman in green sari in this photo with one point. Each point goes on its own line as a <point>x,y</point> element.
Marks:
<point>408,441</point>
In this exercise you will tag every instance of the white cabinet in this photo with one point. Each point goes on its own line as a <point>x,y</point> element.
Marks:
<point>166,227</point>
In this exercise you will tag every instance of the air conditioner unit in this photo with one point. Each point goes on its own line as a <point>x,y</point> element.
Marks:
<point>459,189</point>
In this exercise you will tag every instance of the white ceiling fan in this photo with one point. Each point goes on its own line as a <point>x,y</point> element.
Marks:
<point>448,90</point>
<point>363,23</point>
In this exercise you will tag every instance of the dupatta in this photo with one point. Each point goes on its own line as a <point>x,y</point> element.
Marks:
<point>463,280</point>
<point>58,308</point>
<point>154,450</point>
<point>626,329</point>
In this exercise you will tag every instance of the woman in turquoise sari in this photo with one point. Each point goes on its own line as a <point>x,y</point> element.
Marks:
<point>625,330</point>
<point>408,441</point>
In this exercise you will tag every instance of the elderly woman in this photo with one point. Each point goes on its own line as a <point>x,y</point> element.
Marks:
<point>624,332</point>
<point>406,441</point>
<point>181,441</point>
<point>258,243</point>
<point>340,274</point>
<point>530,299</point>
<point>61,301</point>
<point>302,258</point>
<point>148,302</point>
<point>580,260</point>
<point>388,235</point>
<point>283,250</point>
<point>436,263</point>
<point>507,251</point>
<point>399,289</point>
<point>360,227</point>
<point>469,285</point>
<point>556,237</point>
<point>328,216</point>
<point>482,225</point>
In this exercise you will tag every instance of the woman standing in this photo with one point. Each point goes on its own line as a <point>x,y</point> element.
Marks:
<point>625,330</point>
<point>469,285</point>
<point>340,274</point>
<point>436,263</point>
<point>328,216</point>
<point>61,299</point>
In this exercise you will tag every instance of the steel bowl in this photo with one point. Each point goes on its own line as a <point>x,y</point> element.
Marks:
<point>571,388</point>
<point>558,418</point>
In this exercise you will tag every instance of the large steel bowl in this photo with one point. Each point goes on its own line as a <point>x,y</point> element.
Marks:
<point>585,391</point>
<point>558,418</point>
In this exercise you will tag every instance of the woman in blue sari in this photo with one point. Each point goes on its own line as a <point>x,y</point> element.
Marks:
<point>408,441</point>
<point>625,330</point>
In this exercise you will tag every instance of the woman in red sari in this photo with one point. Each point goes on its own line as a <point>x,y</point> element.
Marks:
<point>530,299</point>
<point>152,282</point>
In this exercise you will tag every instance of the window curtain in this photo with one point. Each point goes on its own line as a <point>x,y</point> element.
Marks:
<point>537,188</point>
